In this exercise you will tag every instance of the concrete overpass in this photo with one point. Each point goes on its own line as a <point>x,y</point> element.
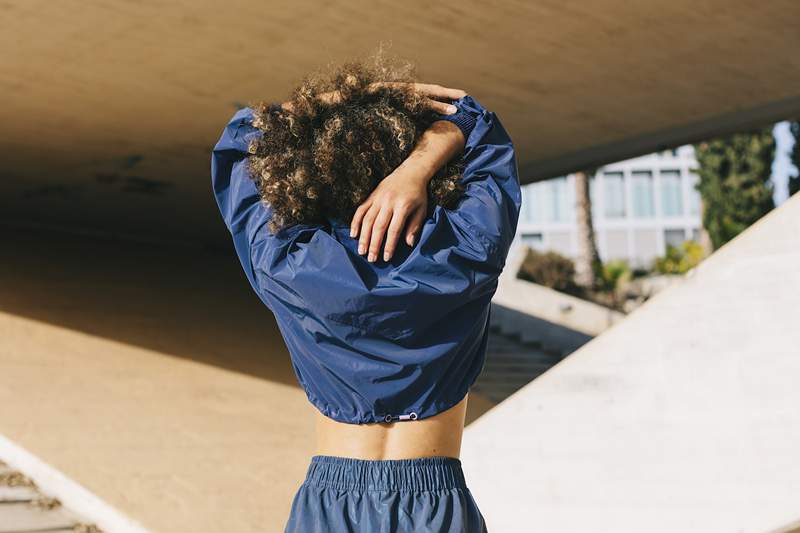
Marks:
<point>120,371</point>
<point>110,107</point>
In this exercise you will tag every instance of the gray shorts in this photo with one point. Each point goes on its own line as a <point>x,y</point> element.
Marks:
<point>344,495</point>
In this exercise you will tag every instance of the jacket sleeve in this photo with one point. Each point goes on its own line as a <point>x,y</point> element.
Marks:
<point>489,210</point>
<point>236,194</point>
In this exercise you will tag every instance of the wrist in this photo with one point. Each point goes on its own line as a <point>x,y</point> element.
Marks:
<point>420,167</point>
<point>439,144</point>
<point>448,140</point>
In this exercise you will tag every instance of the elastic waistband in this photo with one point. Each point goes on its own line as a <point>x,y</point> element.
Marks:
<point>415,475</point>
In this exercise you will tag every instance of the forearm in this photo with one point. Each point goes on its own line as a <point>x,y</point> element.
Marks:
<point>440,143</point>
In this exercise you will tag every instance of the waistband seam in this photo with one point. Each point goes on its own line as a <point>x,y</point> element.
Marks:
<point>362,488</point>
<point>425,474</point>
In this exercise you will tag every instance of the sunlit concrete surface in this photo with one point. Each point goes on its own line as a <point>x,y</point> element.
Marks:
<point>683,417</point>
<point>153,377</point>
<point>110,107</point>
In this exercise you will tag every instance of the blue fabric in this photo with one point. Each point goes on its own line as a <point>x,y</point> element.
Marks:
<point>385,339</point>
<point>463,119</point>
<point>345,495</point>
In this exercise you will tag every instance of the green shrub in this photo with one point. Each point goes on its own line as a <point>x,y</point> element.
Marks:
<point>613,274</point>
<point>679,260</point>
<point>550,269</point>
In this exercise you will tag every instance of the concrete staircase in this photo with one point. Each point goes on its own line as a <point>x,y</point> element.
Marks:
<point>511,364</point>
<point>532,329</point>
<point>25,509</point>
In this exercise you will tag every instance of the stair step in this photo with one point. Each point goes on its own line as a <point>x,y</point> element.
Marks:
<point>21,517</point>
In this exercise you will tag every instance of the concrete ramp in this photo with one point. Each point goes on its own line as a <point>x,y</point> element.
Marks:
<point>683,417</point>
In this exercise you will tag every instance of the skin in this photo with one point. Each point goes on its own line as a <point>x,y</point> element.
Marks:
<point>399,203</point>
<point>396,209</point>
<point>439,435</point>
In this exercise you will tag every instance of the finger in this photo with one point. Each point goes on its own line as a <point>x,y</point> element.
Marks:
<point>414,225</point>
<point>432,90</point>
<point>440,107</point>
<point>438,92</point>
<point>393,234</point>
<point>366,229</point>
<point>358,216</point>
<point>377,85</point>
<point>378,231</point>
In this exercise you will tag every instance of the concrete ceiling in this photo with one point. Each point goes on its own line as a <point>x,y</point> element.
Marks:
<point>110,107</point>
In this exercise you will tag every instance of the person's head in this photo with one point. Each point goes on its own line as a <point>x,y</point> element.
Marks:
<point>324,157</point>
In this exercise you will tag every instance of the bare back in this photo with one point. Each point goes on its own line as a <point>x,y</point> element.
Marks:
<point>435,436</point>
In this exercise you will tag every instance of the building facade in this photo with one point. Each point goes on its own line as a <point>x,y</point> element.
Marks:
<point>639,206</point>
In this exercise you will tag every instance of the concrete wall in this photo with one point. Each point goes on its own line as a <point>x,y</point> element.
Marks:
<point>683,417</point>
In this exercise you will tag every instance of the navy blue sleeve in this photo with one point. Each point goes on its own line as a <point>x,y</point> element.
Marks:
<point>463,119</point>
<point>489,210</point>
<point>237,197</point>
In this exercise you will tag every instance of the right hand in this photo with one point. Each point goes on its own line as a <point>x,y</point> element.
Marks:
<point>436,96</point>
<point>400,199</point>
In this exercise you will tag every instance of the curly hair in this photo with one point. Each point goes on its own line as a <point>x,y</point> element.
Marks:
<point>324,157</point>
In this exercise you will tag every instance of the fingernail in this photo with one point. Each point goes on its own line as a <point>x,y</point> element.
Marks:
<point>361,250</point>
<point>386,257</point>
<point>352,233</point>
<point>451,109</point>
<point>371,257</point>
<point>411,240</point>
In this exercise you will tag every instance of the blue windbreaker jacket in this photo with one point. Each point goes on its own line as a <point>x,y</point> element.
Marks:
<point>373,342</point>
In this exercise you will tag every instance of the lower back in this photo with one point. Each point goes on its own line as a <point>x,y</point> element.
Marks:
<point>434,436</point>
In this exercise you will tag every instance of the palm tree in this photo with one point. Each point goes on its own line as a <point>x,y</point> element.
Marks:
<point>794,181</point>
<point>587,263</point>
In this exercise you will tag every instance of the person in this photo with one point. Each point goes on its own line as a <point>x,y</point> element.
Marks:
<point>373,216</point>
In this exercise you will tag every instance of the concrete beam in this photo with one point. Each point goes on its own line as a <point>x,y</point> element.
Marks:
<point>110,108</point>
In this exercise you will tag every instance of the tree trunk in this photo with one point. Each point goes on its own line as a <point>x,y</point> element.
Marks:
<point>588,260</point>
<point>705,238</point>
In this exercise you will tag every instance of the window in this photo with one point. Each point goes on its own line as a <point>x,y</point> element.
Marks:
<point>526,210</point>
<point>534,240</point>
<point>614,194</point>
<point>547,201</point>
<point>537,202</point>
<point>671,193</point>
<point>558,188</point>
<point>674,237</point>
<point>642,194</point>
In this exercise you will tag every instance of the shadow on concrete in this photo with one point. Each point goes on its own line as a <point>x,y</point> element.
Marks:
<point>182,300</point>
<point>179,300</point>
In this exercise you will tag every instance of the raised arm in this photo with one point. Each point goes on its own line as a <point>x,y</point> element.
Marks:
<point>490,207</point>
<point>236,194</point>
<point>400,202</point>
